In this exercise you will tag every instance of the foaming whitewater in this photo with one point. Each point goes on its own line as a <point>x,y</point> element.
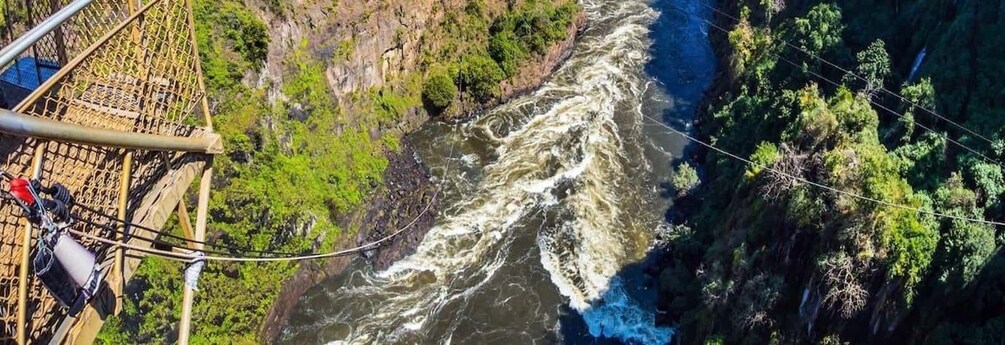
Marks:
<point>550,187</point>
<point>619,316</point>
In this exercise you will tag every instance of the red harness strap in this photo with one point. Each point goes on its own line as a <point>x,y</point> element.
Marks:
<point>19,187</point>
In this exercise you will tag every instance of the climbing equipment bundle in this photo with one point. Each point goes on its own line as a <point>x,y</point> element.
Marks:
<point>68,270</point>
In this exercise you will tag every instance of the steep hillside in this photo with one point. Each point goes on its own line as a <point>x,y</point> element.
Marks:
<point>791,262</point>
<point>313,99</point>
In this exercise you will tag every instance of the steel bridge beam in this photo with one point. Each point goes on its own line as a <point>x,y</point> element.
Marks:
<point>35,127</point>
<point>14,49</point>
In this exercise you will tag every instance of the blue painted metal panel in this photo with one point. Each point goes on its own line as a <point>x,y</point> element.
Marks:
<point>29,73</point>
<point>22,77</point>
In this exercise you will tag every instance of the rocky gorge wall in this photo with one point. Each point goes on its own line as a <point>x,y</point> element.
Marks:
<point>366,46</point>
<point>363,43</point>
<point>313,100</point>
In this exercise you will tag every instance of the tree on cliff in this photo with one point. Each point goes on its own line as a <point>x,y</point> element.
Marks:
<point>439,91</point>
<point>820,30</point>
<point>480,76</point>
<point>685,179</point>
<point>873,67</point>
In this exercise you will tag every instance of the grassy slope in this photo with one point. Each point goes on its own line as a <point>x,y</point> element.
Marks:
<point>284,182</point>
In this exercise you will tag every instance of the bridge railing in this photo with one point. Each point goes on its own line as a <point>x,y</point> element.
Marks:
<point>41,36</point>
<point>122,67</point>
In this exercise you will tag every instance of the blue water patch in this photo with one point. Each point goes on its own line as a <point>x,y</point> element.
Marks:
<point>625,313</point>
<point>619,316</point>
<point>682,61</point>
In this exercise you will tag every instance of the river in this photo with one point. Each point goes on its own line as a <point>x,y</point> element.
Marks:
<point>551,201</point>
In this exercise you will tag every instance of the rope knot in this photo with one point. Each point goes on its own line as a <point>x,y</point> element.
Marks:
<point>193,269</point>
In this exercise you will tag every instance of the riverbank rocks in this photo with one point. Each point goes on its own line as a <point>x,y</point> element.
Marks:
<point>408,191</point>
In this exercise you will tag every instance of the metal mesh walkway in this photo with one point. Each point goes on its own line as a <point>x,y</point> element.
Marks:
<point>124,66</point>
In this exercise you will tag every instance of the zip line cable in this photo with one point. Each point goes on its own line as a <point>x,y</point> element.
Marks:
<point>158,232</point>
<point>162,243</point>
<point>899,115</point>
<point>877,104</point>
<point>186,255</point>
<point>163,233</point>
<point>156,241</point>
<point>849,72</point>
<point>819,185</point>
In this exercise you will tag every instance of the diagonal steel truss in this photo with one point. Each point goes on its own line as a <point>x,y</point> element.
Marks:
<point>123,66</point>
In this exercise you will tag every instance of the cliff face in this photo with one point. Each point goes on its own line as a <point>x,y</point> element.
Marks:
<point>364,44</point>
<point>530,77</point>
<point>383,45</point>
<point>313,99</point>
<point>376,44</point>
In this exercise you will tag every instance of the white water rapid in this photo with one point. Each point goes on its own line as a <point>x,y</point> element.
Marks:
<point>550,197</point>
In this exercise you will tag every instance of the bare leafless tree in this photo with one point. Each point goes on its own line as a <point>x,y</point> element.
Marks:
<point>756,301</point>
<point>843,292</point>
<point>775,6</point>
<point>779,182</point>
<point>716,290</point>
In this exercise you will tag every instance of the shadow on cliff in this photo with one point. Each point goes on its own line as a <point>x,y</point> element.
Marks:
<point>682,60</point>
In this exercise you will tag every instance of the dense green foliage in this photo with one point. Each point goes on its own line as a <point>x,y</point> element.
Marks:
<point>439,90</point>
<point>481,76</point>
<point>239,42</point>
<point>792,257</point>
<point>528,30</point>
<point>277,188</point>
<point>482,50</point>
<point>294,168</point>
<point>684,179</point>
<point>819,30</point>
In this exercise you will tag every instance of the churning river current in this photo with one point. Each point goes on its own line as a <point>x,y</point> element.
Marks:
<point>550,202</point>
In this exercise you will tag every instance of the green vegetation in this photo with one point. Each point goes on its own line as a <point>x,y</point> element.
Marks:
<point>759,240</point>
<point>346,48</point>
<point>482,51</point>
<point>294,167</point>
<point>765,155</point>
<point>239,42</point>
<point>528,30</point>
<point>439,90</point>
<point>12,15</point>
<point>684,179</point>
<point>505,49</point>
<point>873,66</point>
<point>820,30</point>
<point>481,76</point>
<point>277,189</point>
<point>715,340</point>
